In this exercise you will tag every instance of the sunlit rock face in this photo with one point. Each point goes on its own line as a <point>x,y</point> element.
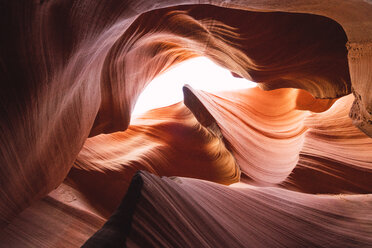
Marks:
<point>240,168</point>
<point>167,141</point>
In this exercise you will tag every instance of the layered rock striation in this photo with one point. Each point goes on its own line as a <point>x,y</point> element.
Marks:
<point>249,167</point>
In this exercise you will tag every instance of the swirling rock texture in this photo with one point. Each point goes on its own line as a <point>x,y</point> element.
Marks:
<point>285,164</point>
<point>167,141</point>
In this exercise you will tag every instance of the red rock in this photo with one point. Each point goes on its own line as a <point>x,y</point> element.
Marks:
<point>71,72</point>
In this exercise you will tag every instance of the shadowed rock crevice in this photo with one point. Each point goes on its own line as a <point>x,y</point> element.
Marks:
<point>115,231</point>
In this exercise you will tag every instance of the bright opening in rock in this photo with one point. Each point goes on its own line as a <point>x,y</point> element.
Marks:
<point>200,73</point>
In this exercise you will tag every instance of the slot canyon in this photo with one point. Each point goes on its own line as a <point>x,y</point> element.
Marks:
<point>287,163</point>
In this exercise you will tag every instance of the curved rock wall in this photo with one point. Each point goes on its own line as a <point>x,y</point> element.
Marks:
<point>74,69</point>
<point>167,141</point>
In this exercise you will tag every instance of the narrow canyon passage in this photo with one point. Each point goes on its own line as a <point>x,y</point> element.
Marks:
<point>284,161</point>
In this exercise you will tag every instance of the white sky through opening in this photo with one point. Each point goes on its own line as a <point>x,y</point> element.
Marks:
<point>200,73</point>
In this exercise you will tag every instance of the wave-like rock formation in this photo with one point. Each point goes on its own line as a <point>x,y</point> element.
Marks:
<point>271,217</point>
<point>260,132</point>
<point>167,141</point>
<point>274,140</point>
<point>335,154</point>
<point>288,163</point>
